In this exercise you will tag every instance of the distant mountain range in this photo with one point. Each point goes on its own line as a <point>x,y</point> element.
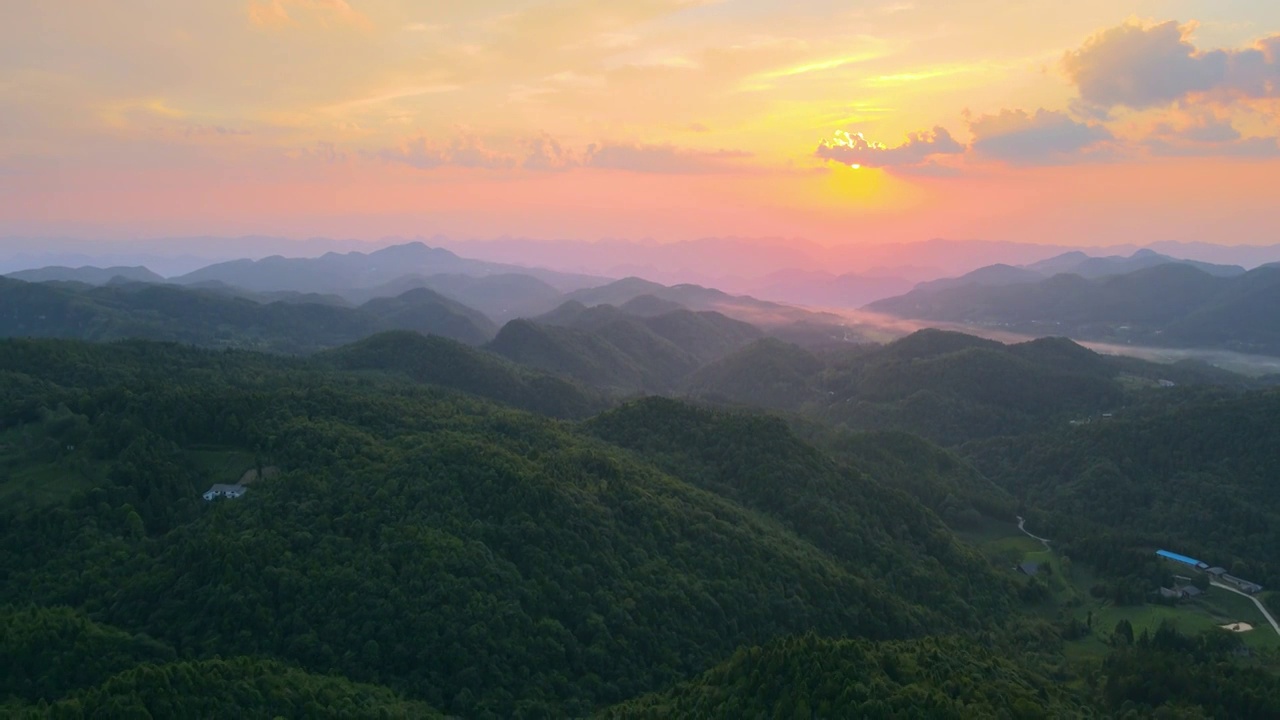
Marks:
<point>1184,303</point>
<point>338,272</point>
<point>625,337</point>
<point>1176,304</point>
<point>1071,263</point>
<point>213,319</point>
<point>500,291</point>
<point>87,274</point>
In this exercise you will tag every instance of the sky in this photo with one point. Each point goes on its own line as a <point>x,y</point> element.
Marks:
<point>1088,123</point>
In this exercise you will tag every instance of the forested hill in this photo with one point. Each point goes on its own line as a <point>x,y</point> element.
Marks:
<point>627,352</point>
<point>1197,474</point>
<point>816,677</point>
<point>759,463</point>
<point>1165,674</point>
<point>442,362</point>
<point>215,319</point>
<point>479,560</point>
<point>945,386</point>
<point>410,543</point>
<point>56,662</point>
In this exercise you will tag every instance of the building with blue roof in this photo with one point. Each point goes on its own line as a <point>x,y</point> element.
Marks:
<point>1181,559</point>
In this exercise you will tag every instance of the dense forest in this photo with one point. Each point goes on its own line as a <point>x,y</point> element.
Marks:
<point>484,561</point>
<point>431,529</point>
<point>1195,474</point>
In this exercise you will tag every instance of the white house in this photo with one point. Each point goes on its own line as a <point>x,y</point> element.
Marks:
<point>227,491</point>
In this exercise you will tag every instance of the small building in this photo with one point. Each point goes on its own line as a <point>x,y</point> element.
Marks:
<point>1166,383</point>
<point>1250,587</point>
<point>1178,558</point>
<point>1030,569</point>
<point>226,491</point>
<point>1191,592</point>
<point>1217,571</point>
<point>1169,593</point>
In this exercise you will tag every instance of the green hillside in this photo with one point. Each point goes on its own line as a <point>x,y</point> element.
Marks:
<point>429,539</point>
<point>768,373</point>
<point>483,561</point>
<point>1195,476</point>
<point>442,362</point>
<point>809,677</point>
<point>759,463</point>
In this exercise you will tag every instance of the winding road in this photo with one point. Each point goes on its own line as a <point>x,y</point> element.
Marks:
<point>1261,608</point>
<point>1027,532</point>
<point>1265,613</point>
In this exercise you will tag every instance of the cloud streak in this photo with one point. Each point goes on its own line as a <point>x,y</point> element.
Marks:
<point>545,153</point>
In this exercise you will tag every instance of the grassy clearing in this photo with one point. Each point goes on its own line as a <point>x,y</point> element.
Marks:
<point>221,465</point>
<point>36,471</point>
<point>39,467</point>
<point>1069,584</point>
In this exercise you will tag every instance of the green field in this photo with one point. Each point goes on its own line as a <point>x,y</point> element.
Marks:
<point>36,469</point>
<point>38,466</point>
<point>1069,584</point>
<point>221,465</point>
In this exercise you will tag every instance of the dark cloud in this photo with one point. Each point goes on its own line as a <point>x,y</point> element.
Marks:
<point>1043,137</point>
<point>855,149</point>
<point>1143,67</point>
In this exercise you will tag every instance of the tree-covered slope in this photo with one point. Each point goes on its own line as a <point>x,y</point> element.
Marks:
<point>579,354</point>
<point>46,653</point>
<point>486,562</point>
<point>768,373</point>
<point>807,677</point>
<point>56,662</point>
<point>950,387</point>
<point>443,362</point>
<point>941,480</point>
<point>757,462</point>
<point>234,688</point>
<point>609,347</point>
<point>1198,475</point>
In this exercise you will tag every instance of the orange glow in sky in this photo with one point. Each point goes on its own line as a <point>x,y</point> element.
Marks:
<point>1034,121</point>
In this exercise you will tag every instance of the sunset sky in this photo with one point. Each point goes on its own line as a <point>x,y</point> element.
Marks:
<point>1029,120</point>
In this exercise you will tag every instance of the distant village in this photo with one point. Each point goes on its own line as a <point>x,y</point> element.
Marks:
<point>1215,573</point>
